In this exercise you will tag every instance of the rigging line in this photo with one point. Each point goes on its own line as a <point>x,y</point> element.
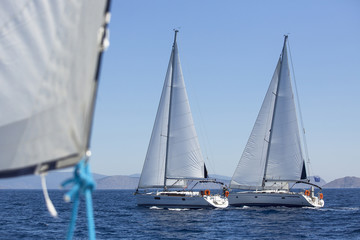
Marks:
<point>206,146</point>
<point>300,113</point>
<point>203,131</point>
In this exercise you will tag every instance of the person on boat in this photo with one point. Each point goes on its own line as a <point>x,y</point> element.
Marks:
<point>225,190</point>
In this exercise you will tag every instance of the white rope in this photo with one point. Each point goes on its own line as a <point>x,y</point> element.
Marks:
<point>49,204</point>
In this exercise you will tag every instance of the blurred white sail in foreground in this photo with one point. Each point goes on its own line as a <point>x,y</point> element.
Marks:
<point>49,70</point>
<point>49,63</point>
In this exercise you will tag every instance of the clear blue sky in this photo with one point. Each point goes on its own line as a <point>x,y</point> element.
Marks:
<point>228,51</point>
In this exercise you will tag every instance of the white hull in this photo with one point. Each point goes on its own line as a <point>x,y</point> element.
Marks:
<point>274,198</point>
<point>183,199</point>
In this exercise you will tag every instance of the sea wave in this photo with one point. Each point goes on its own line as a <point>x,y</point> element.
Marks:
<point>155,208</point>
<point>339,209</point>
<point>178,209</point>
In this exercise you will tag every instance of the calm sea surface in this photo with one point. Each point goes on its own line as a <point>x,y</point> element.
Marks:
<point>23,215</point>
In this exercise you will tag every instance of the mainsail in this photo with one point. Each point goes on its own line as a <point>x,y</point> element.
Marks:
<point>174,152</point>
<point>273,151</point>
<point>50,56</point>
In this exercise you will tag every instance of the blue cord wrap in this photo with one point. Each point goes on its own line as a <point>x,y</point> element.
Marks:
<point>83,183</point>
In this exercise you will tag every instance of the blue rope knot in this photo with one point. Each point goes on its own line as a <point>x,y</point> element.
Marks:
<point>82,181</point>
<point>83,184</point>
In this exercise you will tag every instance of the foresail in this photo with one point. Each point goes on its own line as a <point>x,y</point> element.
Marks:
<point>250,170</point>
<point>153,171</point>
<point>185,159</point>
<point>48,68</point>
<point>285,160</point>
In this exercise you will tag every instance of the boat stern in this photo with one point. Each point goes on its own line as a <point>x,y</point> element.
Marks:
<point>217,201</point>
<point>314,201</point>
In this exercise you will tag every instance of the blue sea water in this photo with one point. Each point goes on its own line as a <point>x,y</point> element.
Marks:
<point>23,215</point>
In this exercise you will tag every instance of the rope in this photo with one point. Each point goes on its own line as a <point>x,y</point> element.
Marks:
<point>49,204</point>
<point>83,183</point>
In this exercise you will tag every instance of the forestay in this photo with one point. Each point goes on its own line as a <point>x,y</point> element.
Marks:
<point>48,69</point>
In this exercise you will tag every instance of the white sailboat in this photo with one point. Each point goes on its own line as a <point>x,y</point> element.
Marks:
<point>49,71</point>
<point>273,159</point>
<point>174,161</point>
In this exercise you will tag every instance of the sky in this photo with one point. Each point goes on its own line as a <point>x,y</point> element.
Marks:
<point>228,51</point>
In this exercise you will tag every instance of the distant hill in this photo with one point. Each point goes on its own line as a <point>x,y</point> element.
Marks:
<point>117,182</point>
<point>345,182</point>
<point>135,175</point>
<point>53,181</point>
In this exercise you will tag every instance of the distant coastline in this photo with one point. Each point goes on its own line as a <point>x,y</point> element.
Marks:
<point>345,182</point>
<point>55,179</point>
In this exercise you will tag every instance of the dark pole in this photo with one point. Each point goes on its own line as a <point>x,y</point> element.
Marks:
<point>171,92</point>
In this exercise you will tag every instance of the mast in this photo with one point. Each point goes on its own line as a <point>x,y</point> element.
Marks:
<point>171,92</point>
<point>272,119</point>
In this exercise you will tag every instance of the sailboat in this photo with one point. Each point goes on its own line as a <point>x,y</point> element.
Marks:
<point>174,165</point>
<point>49,70</point>
<point>273,160</point>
